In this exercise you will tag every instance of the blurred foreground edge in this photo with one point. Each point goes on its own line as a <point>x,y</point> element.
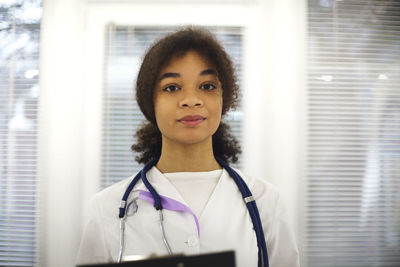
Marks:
<point>219,259</point>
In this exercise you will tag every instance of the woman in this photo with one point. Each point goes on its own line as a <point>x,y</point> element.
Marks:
<point>185,85</point>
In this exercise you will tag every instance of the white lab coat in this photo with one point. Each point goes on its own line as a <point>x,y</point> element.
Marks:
<point>225,224</point>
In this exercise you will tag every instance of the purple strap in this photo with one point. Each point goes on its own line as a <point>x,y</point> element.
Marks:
<point>169,204</point>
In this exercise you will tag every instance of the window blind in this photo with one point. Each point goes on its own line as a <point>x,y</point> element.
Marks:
<point>125,49</point>
<point>19,91</point>
<point>352,210</point>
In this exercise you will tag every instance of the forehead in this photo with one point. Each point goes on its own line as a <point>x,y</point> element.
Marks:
<point>189,59</point>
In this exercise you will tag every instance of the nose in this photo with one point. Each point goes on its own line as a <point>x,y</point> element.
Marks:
<point>190,99</point>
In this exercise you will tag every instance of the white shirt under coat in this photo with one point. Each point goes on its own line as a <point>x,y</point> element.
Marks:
<point>224,224</point>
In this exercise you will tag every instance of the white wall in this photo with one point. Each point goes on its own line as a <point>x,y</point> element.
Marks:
<point>273,96</point>
<point>60,127</point>
<point>70,103</point>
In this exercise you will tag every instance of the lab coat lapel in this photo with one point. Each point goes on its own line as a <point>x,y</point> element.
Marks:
<point>162,185</point>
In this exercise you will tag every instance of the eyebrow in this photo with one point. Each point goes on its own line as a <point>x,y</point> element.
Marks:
<point>176,75</point>
<point>208,72</point>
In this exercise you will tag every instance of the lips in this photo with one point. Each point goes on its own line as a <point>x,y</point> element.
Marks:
<point>192,120</point>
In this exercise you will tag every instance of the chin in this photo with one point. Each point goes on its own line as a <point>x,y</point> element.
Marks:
<point>192,140</point>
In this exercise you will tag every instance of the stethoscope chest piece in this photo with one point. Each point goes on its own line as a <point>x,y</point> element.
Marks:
<point>132,207</point>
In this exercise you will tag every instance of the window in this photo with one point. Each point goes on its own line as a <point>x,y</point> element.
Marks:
<point>19,91</point>
<point>353,146</point>
<point>121,115</point>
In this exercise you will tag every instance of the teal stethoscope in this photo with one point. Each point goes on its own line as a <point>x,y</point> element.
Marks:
<point>243,188</point>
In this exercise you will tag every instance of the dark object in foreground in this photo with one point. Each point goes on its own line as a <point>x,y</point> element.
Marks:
<point>220,259</point>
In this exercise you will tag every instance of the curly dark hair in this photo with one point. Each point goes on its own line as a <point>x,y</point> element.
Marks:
<point>177,44</point>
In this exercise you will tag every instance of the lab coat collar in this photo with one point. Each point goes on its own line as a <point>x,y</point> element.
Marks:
<point>165,188</point>
<point>161,184</point>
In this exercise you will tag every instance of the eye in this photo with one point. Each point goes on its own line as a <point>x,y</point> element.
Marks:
<point>208,86</point>
<point>171,88</point>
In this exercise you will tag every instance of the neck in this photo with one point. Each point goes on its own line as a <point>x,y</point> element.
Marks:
<point>187,158</point>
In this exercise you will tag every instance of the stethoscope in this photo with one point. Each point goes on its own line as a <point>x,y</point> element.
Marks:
<point>243,188</point>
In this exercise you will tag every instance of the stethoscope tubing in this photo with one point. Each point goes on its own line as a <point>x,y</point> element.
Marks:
<point>253,211</point>
<point>243,188</point>
<point>156,196</point>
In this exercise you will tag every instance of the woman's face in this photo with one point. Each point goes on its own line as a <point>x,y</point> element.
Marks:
<point>188,100</point>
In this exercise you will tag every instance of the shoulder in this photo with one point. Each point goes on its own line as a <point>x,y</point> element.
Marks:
<point>108,200</point>
<point>114,190</point>
<point>259,187</point>
<point>277,229</point>
<point>267,197</point>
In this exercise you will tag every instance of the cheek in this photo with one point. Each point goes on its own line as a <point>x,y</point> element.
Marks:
<point>164,112</point>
